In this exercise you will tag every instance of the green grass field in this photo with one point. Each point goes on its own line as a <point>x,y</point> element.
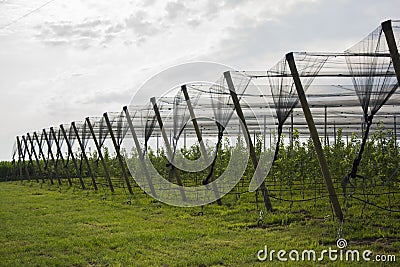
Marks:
<point>51,227</point>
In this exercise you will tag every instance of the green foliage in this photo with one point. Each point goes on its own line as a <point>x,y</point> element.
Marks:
<point>296,164</point>
<point>6,170</point>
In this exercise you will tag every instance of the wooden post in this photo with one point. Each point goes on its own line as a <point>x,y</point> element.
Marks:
<point>326,127</point>
<point>84,158</point>
<point>184,138</point>
<point>71,153</point>
<point>254,138</point>
<point>22,156</point>
<point>270,139</point>
<point>200,139</point>
<point>291,129</point>
<point>52,156</point>
<point>30,158</point>
<point>395,130</point>
<point>36,156</point>
<point>314,135</point>
<point>157,146</point>
<point>394,53</point>
<point>103,162</point>
<point>168,146</point>
<point>117,150</point>
<point>21,175</point>
<point>25,163</point>
<point>60,154</point>
<point>334,132</point>
<point>253,156</point>
<point>140,153</point>
<point>170,137</point>
<point>265,131</point>
<point>46,161</point>
<point>14,175</point>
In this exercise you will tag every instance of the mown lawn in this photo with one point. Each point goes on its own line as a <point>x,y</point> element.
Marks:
<point>51,227</point>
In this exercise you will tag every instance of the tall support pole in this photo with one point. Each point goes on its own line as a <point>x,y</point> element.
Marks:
<point>314,135</point>
<point>25,164</point>
<point>29,151</point>
<point>157,145</point>
<point>14,175</point>
<point>20,170</point>
<point>265,131</point>
<point>52,156</point>
<point>326,127</point>
<point>168,146</point>
<point>140,152</point>
<point>71,154</point>
<point>170,137</point>
<point>239,133</point>
<point>103,162</point>
<point>117,150</point>
<point>36,156</point>
<point>21,161</point>
<point>184,138</point>
<point>362,125</point>
<point>395,130</point>
<point>394,55</point>
<point>200,139</point>
<point>78,138</point>
<point>30,158</point>
<point>253,156</point>
<point>334,132</point>
<point>291,129</point>
<point>270,139</point>
<point>391,42</point>
<point>59,151</point>
<point>46,161</point>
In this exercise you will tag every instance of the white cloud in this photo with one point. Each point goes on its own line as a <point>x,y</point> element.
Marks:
<point>90,32</point>
<point>175,9</point>
<point>141,26</point>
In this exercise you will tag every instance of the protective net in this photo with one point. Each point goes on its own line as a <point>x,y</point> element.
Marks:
<point>120,126</point>
<point>149,122</point>
<point>85,135</point>
<point>40,143</point>
<point>50,141</point>
<point>374,81</point>
<point>59,140</point>
<point>181,116</point>
<point>283,89</point>
<point>82,135</point>
<point>223,107</point>
<point>101,130</point>
<point>59,143</point>
<point>371,67</point>
<point>71,137</point>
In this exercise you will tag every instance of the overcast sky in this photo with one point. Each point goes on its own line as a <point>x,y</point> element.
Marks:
<point>65,60</point>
